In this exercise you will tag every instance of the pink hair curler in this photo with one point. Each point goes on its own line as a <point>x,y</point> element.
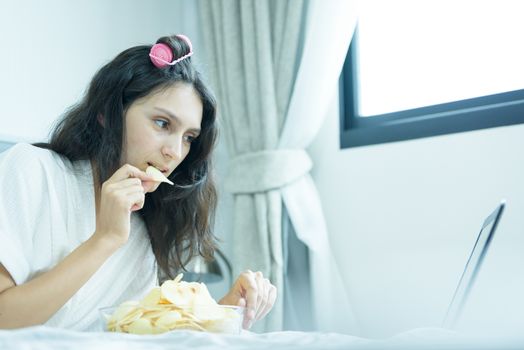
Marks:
<point>161,54</point>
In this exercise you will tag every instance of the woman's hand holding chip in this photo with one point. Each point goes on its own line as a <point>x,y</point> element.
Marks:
<point>121,194</point>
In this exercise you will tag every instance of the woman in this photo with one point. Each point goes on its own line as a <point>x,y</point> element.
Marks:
<point>83,226</point>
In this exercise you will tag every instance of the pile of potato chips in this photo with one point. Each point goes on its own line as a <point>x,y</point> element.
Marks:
<point>175,305</point>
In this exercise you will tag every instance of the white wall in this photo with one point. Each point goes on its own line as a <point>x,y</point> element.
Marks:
<point>52,48</point>
<point>403,217</point>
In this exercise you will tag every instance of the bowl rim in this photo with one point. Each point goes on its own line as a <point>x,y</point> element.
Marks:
<point>235,307</point>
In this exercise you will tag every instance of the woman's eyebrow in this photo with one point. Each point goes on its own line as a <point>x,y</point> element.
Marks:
<point>175,118</point>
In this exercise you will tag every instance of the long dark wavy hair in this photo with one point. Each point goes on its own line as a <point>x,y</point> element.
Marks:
<point>179,218</point>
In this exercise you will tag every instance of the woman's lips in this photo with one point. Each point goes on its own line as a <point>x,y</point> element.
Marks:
<point>163,170</point>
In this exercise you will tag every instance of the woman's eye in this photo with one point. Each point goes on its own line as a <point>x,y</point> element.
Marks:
<point>190,138</point>
<point>161,123</point>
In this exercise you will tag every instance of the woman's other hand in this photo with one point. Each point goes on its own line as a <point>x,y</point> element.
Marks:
<point>254,292</point>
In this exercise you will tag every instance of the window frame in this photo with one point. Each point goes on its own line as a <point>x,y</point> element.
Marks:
<point>471,114</point>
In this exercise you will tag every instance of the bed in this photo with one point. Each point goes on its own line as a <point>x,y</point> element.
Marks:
<point>4,145</point>
<point>42,337</point>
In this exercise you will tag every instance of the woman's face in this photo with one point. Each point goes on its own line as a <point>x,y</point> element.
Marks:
<point>160,127</point>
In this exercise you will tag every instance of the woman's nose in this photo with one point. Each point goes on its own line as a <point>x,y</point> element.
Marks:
<point>174,149</point>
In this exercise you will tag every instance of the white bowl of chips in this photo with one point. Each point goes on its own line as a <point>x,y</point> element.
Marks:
<point>176,305</point>
<point>135,319</point>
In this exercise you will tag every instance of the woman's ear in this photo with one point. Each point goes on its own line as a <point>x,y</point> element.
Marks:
<point>101,119</point>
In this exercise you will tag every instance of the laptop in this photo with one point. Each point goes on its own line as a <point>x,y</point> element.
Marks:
<point>473,265</point>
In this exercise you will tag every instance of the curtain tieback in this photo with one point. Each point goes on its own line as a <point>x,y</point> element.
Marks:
<point>266,170</point>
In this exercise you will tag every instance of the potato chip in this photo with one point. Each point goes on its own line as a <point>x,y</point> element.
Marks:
<point>157,175</point>
<point>168,319</point>
<point>123,310</point>
<point>178,278</point>
<point>155,314</point>
<point>180,294</point>
<point>159,329</point>
<point>188,324</point>
<point>141,326</point>
<point>152,298</point>
<point>203,300</point>
<point>131,317</point>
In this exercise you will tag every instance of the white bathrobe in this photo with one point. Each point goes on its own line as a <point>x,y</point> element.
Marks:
<point>47,209</point>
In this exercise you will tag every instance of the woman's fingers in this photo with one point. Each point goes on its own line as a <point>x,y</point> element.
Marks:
<point>271,298</point>
<point>127,194</point>
<point>128,175</point>
<point>262,294</point>
<point>136,198</point>
<point>249,284</point>
<point>129,171</point>
<point>125,183</point>
<point>241,302</point>
<point>150,186</point>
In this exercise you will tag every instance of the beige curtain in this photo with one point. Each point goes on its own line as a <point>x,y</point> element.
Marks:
<point>276,66</point>
<point>254,47</point>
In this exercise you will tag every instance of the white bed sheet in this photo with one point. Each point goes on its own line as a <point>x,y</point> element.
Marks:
<point>47,338</point>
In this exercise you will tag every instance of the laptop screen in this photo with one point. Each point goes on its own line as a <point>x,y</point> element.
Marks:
<point>473,266</point>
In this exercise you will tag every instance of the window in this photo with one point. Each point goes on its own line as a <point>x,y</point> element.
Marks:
<point>425,68</point>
